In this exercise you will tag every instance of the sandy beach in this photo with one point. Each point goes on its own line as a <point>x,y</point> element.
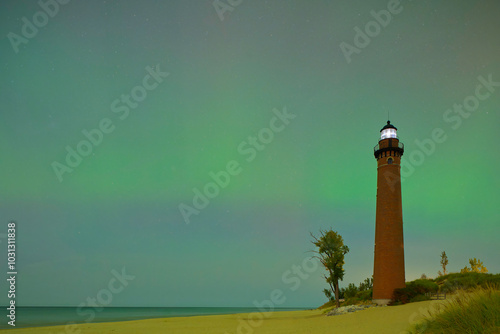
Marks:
<point>394,319</point>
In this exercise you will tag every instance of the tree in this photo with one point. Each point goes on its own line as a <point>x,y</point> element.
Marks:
<point>444,262</point>
<point>353,291</point>
<point>476,266</point>
<point>331,251</point>
<point>350,291</point>
<point>367,284</point>
<point>328,294</point>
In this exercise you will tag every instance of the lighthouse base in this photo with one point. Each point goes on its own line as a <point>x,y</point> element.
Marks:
<point>381,302</point>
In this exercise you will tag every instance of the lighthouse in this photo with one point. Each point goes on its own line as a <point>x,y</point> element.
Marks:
<point>389,263</point>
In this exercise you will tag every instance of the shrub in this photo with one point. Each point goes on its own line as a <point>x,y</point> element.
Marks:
<point>351,301</point>
<point>423,286</point>
<point>401,296</point>
<point>413,289</point>
<point>350,291</point>
<point>360,297</point>
<point>419,298</point>
<point>365,295</point>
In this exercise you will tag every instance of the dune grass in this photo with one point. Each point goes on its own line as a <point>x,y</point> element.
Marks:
<point>476,311</point>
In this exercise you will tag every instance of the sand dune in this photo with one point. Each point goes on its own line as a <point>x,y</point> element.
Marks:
<point>394,319</point>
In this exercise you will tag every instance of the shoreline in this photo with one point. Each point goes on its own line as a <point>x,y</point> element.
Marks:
<point>391,319</point>
<point>109,314</point>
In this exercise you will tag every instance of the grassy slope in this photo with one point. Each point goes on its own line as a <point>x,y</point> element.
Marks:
<point>387,320</point>
<point>466,312</point>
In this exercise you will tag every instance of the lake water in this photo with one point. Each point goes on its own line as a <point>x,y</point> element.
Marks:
<point>51,316</point>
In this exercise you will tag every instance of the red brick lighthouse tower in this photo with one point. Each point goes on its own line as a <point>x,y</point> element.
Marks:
<point>389,264</point>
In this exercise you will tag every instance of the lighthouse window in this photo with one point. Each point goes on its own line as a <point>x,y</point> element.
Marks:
<point>389,161</point>
<point>388,133</point>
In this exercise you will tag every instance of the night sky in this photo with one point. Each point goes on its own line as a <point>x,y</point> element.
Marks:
<point>284,100</point>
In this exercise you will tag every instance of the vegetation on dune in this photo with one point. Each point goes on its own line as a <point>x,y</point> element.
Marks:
<point>328,305</point>
<point>444,263</point>
<point>419,289</point>
<point>472,304</point>
<point>467,312</point>
<point>468,278</point>
<point>353,294</point>
<point>466,281</point>
<point>331,253</point>
<point>476,266</point>
<point>357,294</point>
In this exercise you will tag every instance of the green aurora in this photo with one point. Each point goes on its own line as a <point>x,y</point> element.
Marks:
<point>120,206</point>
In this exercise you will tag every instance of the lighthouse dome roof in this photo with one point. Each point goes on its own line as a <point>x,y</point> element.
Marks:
<point>388,126</point>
